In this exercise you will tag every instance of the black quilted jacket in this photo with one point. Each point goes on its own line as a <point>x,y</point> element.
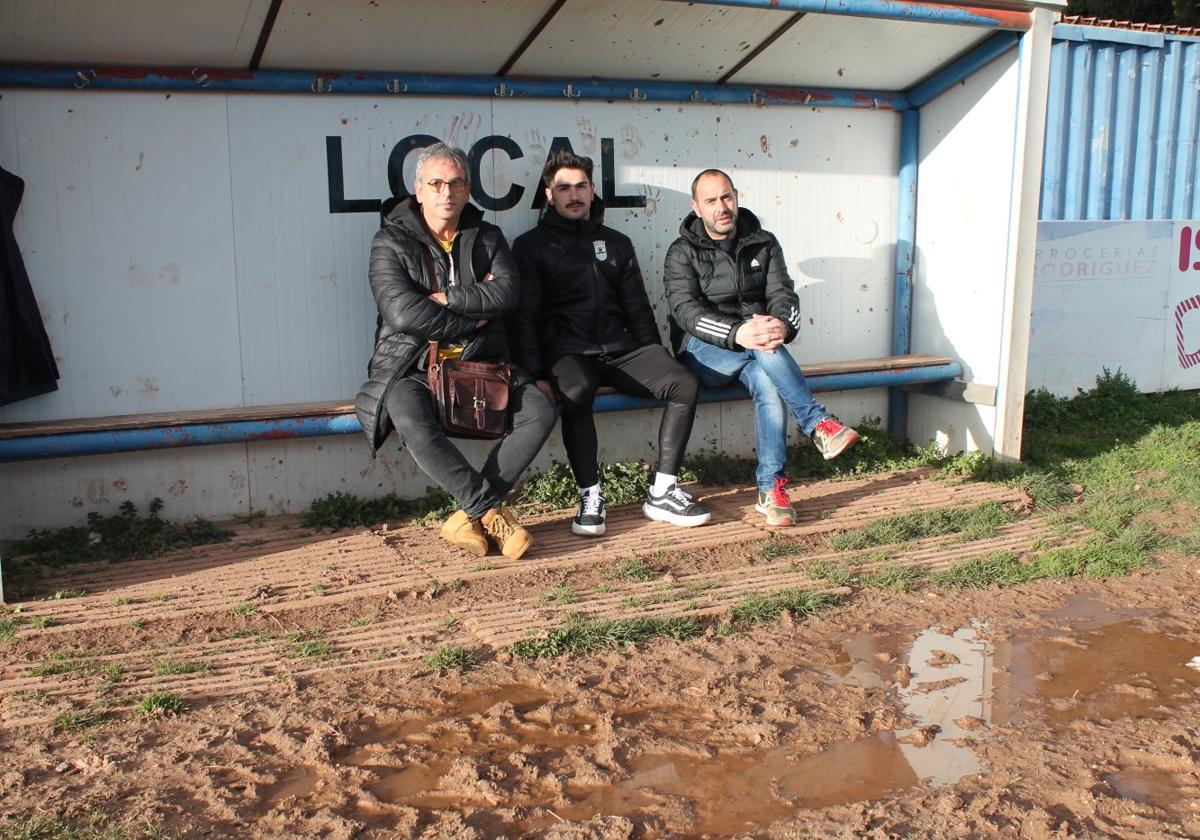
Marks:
<point>712,293</point>
<point>403,255</point>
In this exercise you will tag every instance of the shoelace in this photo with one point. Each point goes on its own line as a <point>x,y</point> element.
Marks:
<point>500,527</point>
<point>778,497</point>
<point>677,493</point>
<point>828,426</point>
<point>591,504</point>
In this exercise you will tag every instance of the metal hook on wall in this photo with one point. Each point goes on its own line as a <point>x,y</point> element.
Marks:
<point>570,92</point>
<point>83,78</point>
<point>200,78</point>
<point>321,85</point>
<point>396,86</point>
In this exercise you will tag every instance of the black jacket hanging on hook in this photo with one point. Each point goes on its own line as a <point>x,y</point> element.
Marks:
<point>27,366</point>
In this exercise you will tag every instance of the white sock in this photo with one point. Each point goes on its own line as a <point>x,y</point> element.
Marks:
<point>662,483</point>
<point>594,490</point>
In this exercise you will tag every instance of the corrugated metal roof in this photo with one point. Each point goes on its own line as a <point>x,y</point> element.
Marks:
<point>1134,26</point>
<point>1122,130</point>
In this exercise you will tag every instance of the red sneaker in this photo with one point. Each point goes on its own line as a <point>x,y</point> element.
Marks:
<point>832,438</point>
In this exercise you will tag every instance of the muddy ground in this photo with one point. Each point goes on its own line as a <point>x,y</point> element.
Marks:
<point>1053,709</point>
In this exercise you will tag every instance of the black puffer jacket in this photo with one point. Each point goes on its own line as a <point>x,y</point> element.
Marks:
<point>581,292</point>
<point>403,254</point>
<point>711,294</point>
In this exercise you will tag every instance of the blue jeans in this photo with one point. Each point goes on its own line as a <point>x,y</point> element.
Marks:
<point>776,385</point>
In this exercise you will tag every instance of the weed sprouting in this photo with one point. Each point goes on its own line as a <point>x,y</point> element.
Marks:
<point>161,704</point>
<point>94,826</point>
<point>308,644</point>
<point>171,667</point>
<point>579,635</point>
<point>451,658</point>
<point>893,577</point>
<point>8,625</point>
<point>757,607</point>
<point>561,594</point>
<point>41,622</point>
<point>114,539</point>
<point>137,624</point>
<point>832,573</point>
<point>634,569</point>
<point>244,609</point>
<point>319,590</point>
<point>60,662</point>
<point>77,721</point>
<point>345,510</point>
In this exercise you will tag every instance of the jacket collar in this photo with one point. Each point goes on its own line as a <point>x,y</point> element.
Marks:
<point>749,230</point>
<point>555,221</point>
<point>407,214</point>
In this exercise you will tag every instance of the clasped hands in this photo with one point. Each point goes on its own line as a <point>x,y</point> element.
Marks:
<point>761,332</point>
<point>441,299</point>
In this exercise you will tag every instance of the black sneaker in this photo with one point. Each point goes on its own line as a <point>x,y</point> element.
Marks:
<point>589,522</point>
<point>674,506</point>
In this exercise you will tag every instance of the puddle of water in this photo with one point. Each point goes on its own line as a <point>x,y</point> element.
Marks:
<point>866,660</point>
<point>299,782</point>
<point>737,792</point>
<point>524,698</point>
<point>1148,785</point>
<point>1104,664</point>
<point>415,784</point>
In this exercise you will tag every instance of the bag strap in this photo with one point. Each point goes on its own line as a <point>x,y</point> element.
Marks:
<point>433,279</point>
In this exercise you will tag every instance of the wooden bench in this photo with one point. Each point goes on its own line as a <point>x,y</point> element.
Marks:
<point>135,432</point>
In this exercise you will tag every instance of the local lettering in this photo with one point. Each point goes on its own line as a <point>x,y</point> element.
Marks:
<point>495,143</point>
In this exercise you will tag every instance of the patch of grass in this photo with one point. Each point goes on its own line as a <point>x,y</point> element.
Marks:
<point>123,601</point>
<point>171,668</point>
<point>561,594</point>
<point>245,608</point>
<point>755,607</point>
<point>112,673</point>
<point>64,594</point>
<point>770,549</point>
<point>971,523</point>
<point>345,510</point>
<point>161,704</point>
<point>137,624</point>
<point>60,662</point>
<point>482,567</point>
<point>94,826</point>
<point>8,625</point>
<point>669,593</point>
<point>833,573</point>
<point>451,658</point>
<point>114,539</point>
<point>624,482</point>
<point>895,578</point>
<point>41,622</point>
<point>360,622</point>
<point>634,569</point>
<point>78,721</point>
<point>579,635</point>
<point>449,621</point>
<point>308,644</point>
<point>717,468</point>
<point>319,590</point>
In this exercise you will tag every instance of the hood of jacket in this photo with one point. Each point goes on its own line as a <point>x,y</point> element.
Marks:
<point>551,218</point>
<point>407,214</point>
<point>749,229</point>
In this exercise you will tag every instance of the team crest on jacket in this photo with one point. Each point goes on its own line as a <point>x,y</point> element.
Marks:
<point>601,249</point>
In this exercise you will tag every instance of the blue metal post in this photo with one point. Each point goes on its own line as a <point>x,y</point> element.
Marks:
<point>906,232</point>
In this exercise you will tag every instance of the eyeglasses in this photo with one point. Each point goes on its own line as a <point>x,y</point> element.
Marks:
<point>455,185</point>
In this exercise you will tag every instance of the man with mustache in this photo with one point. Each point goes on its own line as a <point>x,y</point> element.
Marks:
<point>733,307</point>
<point>585,321</point>
<point>437,239</point>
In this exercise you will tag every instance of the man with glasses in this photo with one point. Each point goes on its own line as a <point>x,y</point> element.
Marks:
<point>585,321</point>
<point>436,233</point>
<point>733,308</point>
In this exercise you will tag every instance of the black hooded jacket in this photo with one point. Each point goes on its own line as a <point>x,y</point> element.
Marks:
<point>712,293</point>
<point>403,256</point>
<point>581,292</point>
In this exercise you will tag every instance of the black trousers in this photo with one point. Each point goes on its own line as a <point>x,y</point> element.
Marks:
<point>645,372</point>
<point>477,491</point>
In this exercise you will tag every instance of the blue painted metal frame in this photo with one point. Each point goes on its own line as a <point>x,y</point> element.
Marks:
<point>893,10</point>
<point>906,234</point>
<point>414,84</point>
<point>203,434</point>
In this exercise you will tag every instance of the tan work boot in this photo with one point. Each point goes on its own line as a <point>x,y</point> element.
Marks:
<point>506,532</point>
<point>466,533</point>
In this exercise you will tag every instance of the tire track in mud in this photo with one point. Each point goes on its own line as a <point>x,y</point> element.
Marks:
<point>275,570</point>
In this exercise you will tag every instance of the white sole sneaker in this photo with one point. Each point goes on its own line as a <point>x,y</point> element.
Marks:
<point>660,515</point>
<point>588,530</point>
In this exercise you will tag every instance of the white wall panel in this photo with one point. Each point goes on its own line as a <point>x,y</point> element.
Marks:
<point>961,249</point>
<point>189,243</point>
<point>127,232</point>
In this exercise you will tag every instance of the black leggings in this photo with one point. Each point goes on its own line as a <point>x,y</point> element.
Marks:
<point>646,372</point>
